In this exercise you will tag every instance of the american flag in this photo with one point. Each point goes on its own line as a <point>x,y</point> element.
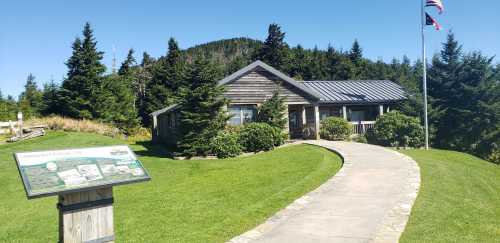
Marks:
<point>431,21</point>
<point>436,3</point>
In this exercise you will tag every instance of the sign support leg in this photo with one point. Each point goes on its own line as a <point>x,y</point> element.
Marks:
<point>86,216</point>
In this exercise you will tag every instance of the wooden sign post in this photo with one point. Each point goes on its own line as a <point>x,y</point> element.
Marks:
<point>83,180</point>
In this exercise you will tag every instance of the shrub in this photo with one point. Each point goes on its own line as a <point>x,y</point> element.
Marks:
<point>226,144</point>
<point>257,137</point>
<point>335,128</point>
<point>396,130</point>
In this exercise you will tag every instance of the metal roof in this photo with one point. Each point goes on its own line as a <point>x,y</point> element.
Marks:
<point>168,108</point>
<point>356,91</point>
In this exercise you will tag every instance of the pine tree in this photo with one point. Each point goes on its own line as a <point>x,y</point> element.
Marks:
<point>201,106</point>
<point>273,111</point>
<point>84,76</point>
<point>30,99</point>
<point>275,51</point>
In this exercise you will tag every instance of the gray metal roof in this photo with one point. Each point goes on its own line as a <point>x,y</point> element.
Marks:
<point>168,108</point>
<point>356,91</point>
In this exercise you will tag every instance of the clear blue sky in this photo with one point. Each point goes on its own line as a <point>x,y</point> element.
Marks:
<point>36,36</point>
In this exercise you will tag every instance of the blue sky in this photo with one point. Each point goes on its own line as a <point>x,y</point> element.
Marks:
<point>36,36</point>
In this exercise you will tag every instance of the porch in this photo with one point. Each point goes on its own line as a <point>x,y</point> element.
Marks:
<point>304,119</point>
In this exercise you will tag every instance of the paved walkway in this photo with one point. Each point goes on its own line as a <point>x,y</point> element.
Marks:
<point>368,200</point>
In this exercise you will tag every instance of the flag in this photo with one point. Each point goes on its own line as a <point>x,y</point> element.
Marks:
<point>436,3</point>
<point>431,21</point>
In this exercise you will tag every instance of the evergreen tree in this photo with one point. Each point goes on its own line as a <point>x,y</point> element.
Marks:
<point>356,53</point>
<point>300,64</point>
<point>273,111</point>
<point>141,81</point>
<point>84,76</point>
<point>127,65</point>
<point>115,103</point>
<point>8,109</point>
<point>168,77</point>
<point>275,51</point>
<point>339,65</point>
<point>30,99</point>
<point>201,106</point>
<point>51,101</point>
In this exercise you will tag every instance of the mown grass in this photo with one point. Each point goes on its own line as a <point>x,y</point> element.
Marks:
<point>186,201</point>
<point>459,199</point>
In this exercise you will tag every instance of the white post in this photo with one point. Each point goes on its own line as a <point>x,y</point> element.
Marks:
<point>380,110</point>
<point>316,121</point>
<point>20,123</point>
<point>344,112</point>
<point>424,61</point>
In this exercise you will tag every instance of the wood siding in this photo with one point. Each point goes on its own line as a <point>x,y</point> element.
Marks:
<point>259,85</point>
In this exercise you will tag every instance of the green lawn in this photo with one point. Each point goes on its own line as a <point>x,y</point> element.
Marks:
<point>459,199</point>
<point>186,201</point>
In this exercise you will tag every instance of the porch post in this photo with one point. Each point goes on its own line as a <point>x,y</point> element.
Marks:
<point>316,121</point>
<point>380,110</point>
<point>304,119</point>
<point>344,112</point>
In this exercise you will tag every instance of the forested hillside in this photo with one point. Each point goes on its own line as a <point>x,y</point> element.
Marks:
<point>464,87</point>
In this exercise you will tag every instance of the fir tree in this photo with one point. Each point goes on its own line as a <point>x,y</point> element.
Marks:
<point>51,103</point>
<point>115,103</point>
<point>275,51</point>
<point>141,82</point>
<point>30,99</point>
<point>201,106</point>
<point>84,76</point>
<point>168,77</point>
<point>273,111</point>
<point>125,68</point>
<point>356,53</point>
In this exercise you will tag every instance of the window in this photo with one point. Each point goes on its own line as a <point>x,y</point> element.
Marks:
<point>241,114</point>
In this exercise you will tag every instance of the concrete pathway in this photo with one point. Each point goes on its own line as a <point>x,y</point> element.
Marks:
<point>368,200</point>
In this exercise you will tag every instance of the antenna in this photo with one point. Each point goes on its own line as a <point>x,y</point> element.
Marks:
<point>113,68</point>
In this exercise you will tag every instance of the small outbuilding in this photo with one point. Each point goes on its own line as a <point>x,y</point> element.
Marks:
<point>308,102</point>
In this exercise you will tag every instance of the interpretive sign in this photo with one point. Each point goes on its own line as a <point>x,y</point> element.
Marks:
<point>54,172</point>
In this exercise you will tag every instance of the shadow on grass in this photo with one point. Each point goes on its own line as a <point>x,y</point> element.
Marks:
<point>154,150</point>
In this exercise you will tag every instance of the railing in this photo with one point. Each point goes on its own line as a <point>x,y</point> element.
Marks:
<point>362,126</point>
<point>8,127</point>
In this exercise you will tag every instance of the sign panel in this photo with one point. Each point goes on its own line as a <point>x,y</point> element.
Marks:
<point>54,172</point>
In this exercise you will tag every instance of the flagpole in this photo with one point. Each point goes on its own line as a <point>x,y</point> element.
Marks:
<point>424,78</point>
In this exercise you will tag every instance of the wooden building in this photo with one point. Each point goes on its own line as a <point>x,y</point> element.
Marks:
<point>308,102</point>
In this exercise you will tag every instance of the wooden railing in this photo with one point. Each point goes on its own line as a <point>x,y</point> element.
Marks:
<point>362,126</point>
<point>8,127</point>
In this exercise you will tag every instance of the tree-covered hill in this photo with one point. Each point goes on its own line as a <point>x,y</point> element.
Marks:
<point>226,50</point>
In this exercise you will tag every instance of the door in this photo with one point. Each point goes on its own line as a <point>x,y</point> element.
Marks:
<point>294,124</point>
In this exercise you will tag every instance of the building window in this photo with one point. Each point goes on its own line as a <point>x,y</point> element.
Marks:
<point>241,114</point>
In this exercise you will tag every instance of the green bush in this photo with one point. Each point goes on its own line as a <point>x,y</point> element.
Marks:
<point>255,137</point>
<point>335,128</point>
<point>226,144</point>
<point>397,130</point>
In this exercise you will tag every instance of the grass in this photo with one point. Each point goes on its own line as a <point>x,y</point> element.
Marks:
<point>186,201</point>
<point>459,199</point>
